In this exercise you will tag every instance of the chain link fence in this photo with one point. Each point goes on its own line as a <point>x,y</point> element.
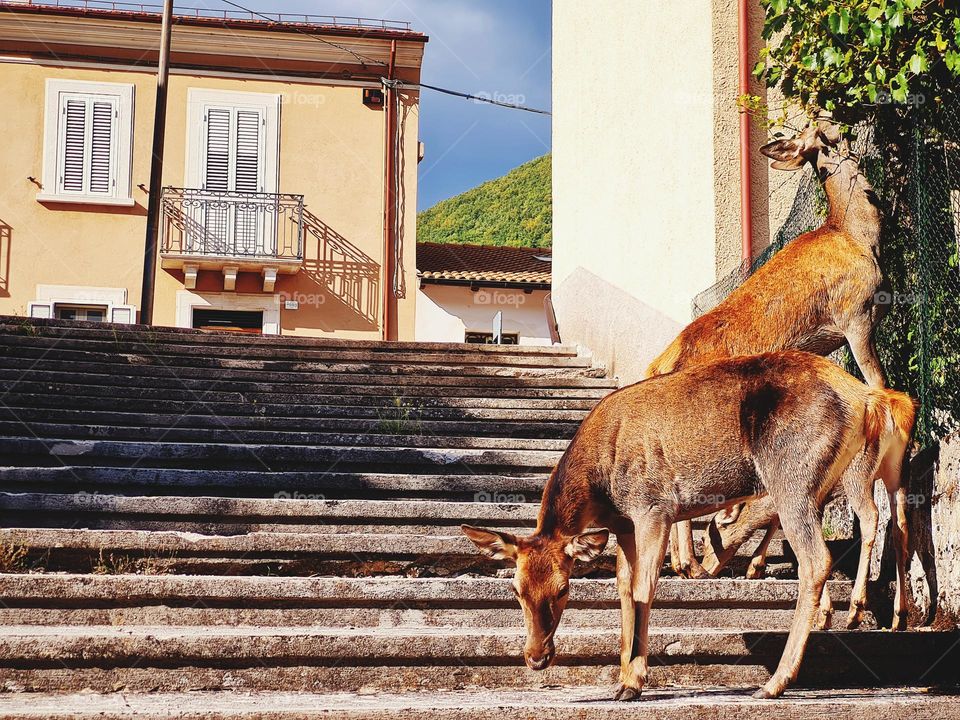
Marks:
<point>915,168</point>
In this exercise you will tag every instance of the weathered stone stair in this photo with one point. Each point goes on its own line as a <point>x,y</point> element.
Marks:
<point>273,525</point>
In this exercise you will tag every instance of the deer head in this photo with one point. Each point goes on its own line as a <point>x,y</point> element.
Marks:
<point>816,138</point>
<point>541,581</point>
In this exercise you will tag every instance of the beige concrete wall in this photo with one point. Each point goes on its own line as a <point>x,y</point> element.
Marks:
<point>633,163</point>
<point>446,312</point>
<point>331,151</point>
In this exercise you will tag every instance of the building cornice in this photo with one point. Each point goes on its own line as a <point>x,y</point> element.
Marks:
<point>23,31</point>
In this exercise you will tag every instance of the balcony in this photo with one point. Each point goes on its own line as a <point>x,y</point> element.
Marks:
<point>231,232</point>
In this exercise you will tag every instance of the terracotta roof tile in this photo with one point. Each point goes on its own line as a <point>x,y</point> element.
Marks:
<point>439,262</point>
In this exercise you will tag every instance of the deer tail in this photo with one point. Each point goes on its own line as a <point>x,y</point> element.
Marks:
<point>888,411</point>
<point>666,362</point>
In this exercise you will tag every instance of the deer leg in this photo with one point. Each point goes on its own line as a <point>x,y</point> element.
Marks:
<point>801,525</point>
<point>675,551</point>
<point>859,334</point>
<point>898,500</point>
<point>626,559</point>
<point>689,566</point>
<point>651,544</point>
<point>824,617</point>
<point>758,563</point>
<point>721,541</point>
<point>860,497</point>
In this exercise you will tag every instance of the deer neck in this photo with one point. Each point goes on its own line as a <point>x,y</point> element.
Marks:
<point>851,199</point>
<point>563,510</point>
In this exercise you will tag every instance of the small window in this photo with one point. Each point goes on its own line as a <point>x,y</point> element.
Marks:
<point>486,338</point>
<point>89,313</point>
<point>88,142</point>
<point>241,321</point>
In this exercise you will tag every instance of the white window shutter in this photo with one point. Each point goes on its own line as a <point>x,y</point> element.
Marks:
<point>73,142</point>
<point>249,151</point>
<point>102,147</point>
<point>217,170</point>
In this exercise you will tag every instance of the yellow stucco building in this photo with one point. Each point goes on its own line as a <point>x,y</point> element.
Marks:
<point>278,182</point>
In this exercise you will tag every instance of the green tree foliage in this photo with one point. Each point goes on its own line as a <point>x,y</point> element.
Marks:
<point>514,210</point>
<point>850,56</point>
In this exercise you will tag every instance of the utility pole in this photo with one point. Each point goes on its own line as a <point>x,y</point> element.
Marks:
<point>156,169</point>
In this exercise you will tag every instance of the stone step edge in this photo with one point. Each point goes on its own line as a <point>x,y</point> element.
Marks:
<point>580,703</point>
<point>372,591</point>
<point>13,325</point>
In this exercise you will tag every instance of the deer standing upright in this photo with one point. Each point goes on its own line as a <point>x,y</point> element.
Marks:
<point>789,425</point>
<point>819,291</point>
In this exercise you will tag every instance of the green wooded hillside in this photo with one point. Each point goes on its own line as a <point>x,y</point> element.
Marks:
<point>514,210</point>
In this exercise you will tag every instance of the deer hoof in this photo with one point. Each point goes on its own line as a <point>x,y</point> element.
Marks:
<point>756,572</point>
<point>854,619</point>
<point>765,694</point>
<point>899,623</point>
<point>626,694</point>
<point>824,620</point>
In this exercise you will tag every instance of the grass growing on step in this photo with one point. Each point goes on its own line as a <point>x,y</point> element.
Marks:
<point>28,328</point>
<point>400,418</point>
<point>119,564</point>
<point>13,558</point>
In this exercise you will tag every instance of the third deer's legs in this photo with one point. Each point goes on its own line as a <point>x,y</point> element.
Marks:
<point>687,559</point>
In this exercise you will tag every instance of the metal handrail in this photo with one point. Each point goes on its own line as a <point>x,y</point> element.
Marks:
<point>136,8</point>
<point>231,224</point>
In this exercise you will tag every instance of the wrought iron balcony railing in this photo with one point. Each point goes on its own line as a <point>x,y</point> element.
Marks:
<point>205,223</point>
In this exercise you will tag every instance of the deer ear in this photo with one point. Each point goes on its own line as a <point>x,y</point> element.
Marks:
<point>785,154</point>
<point>588,545</point>
<point>496,545</point>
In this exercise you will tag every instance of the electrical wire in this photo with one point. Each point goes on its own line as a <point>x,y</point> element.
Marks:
<point>370,61</point>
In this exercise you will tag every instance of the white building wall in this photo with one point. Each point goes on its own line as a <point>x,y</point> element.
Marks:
<point>446,312</point>
<point>633,181</point>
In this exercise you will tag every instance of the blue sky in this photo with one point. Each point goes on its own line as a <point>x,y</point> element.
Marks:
<point>497,47</point>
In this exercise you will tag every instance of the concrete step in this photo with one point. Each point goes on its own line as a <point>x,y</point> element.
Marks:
<point>258,552</point>
<point>496,488</point>
<point>11,347</point>
<point>225,393</point>
<point>283,513</point>
<point>269,387</point>
<point>163,348</point>
<point>34,327</point>
<point>588,702</point>
<point>386,423</point>
<point>199,405</point>
<point>56,451</point>
<point>402,437</point>
<point>300,374</point>
<point>191,658</point>
<point>384,602</point>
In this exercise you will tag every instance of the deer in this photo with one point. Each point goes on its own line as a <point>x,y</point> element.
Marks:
<point>787,425</point>
<point>822,289</point>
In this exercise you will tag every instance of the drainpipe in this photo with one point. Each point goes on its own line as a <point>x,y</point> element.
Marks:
<point>746,181</point>
<point>389,191</point>
<point>156,170</point>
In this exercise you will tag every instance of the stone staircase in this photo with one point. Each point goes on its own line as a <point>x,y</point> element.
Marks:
<point>198,525</point>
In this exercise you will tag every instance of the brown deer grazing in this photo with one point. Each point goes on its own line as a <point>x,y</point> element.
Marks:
<point>819,291</point>
<point>674,447</point>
